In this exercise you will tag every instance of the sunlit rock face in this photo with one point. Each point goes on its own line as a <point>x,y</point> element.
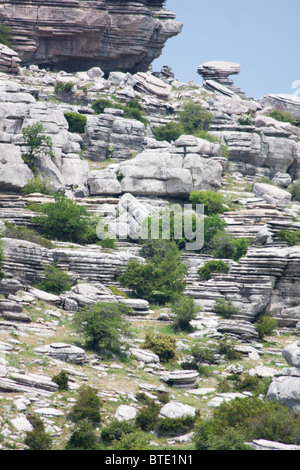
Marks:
<point>77,35</point>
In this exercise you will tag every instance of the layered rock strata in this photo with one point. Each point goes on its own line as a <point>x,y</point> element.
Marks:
<point>77,35</point>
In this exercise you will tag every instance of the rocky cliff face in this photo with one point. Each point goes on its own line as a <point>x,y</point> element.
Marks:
<point>76,35</point>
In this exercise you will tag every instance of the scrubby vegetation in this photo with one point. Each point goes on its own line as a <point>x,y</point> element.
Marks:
<point>161,277</point>
<point>76,121</point>
<point>103,326</point>
<point>65,220</point>
<point>38,144</point>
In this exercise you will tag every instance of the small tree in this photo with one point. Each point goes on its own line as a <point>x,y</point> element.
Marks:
<point>65,220</point>
<point>56,281</point>
<point>212,266</point>
<point>212,201</point>
<point>61,380</point>
<point>184,309</point>
<point>87,406</point>
<point>103,325</point>
<point>37,143</point>
<point>37,439</point>
<point>160,278</point>
<point>5,35</point>
<point>162,345</point>
<point>266,326</point>
<point>76,121</point>
<point>225,308</point>
<point>194,117</point>
<point>83,437</point>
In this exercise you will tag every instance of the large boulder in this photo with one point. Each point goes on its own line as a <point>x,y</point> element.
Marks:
<point>272,195</point>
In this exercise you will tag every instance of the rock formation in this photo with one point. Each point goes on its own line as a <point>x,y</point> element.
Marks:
<point>77,35</point>
<point>285,384</point>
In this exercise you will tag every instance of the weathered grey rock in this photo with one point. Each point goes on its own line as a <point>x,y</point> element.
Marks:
<point>63,352</point>
<point>14,174</point>
<point>263,444</point>
<point>22,424</point>
<point>101,182</point>
<point>181,378</point>
<point>272,195</point>
<point>176,410</point>
<point>148,83</point>
<point>144,355</point>
<point>291,354</point>
<point>282,179</point>
<point>283,102</point>
<point>169,173</point>
<point>126,413</point>
<point>9,60</point>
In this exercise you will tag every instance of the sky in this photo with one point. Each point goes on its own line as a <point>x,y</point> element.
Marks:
<point>263,36</point>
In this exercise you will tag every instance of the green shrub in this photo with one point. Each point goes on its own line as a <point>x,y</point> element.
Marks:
<point>212,201</point>
<point>37,439</point>
<point>161,344</point>
<point>194,117</point>
<point>266,326</point>
<point>62,88</point>
<point>170,427</point>
<point>65,220</point>
<point>36,185</point>
<point>212,225</point>
<point>251,418</point>
<point>147,416</point>
<point>224,245</point>
<point>169,132</point>
<point>282,116</point>
<point>83,437</point>
<point>134,110</point>
<point>37,143</point>
<point>77,122</point>
<point>184,309</point>
<point>136,440</point>
<point>108,243</point>
<point>225,308</point>
<point>212,266</point>
<point>116,429</point>
<point>103,325</point>
<point>245,119</point>
<point>62,380</point>
<point>102,103</point>
<point>295,190</point>
<point>226,348</point>
<point>19,232</point>
<point>202,355</point>
<point>159,279</point>
<point>87,406</point>
<point>56,281</point>
<point>291,237</point>
<point>5,35</point>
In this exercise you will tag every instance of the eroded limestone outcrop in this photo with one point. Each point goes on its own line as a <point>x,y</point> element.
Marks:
<point>77,35</point>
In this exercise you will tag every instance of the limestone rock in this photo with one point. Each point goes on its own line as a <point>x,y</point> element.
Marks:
<point>175,410</point>
<point>291,354</point>
<point>283,102</point>
<point>63,352</point>
<point>273,195</point>
<point>126,413</point>
<point>144,355</point>
<point>181,378</point>
<point>123,36</point>
<point>9,60</point>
